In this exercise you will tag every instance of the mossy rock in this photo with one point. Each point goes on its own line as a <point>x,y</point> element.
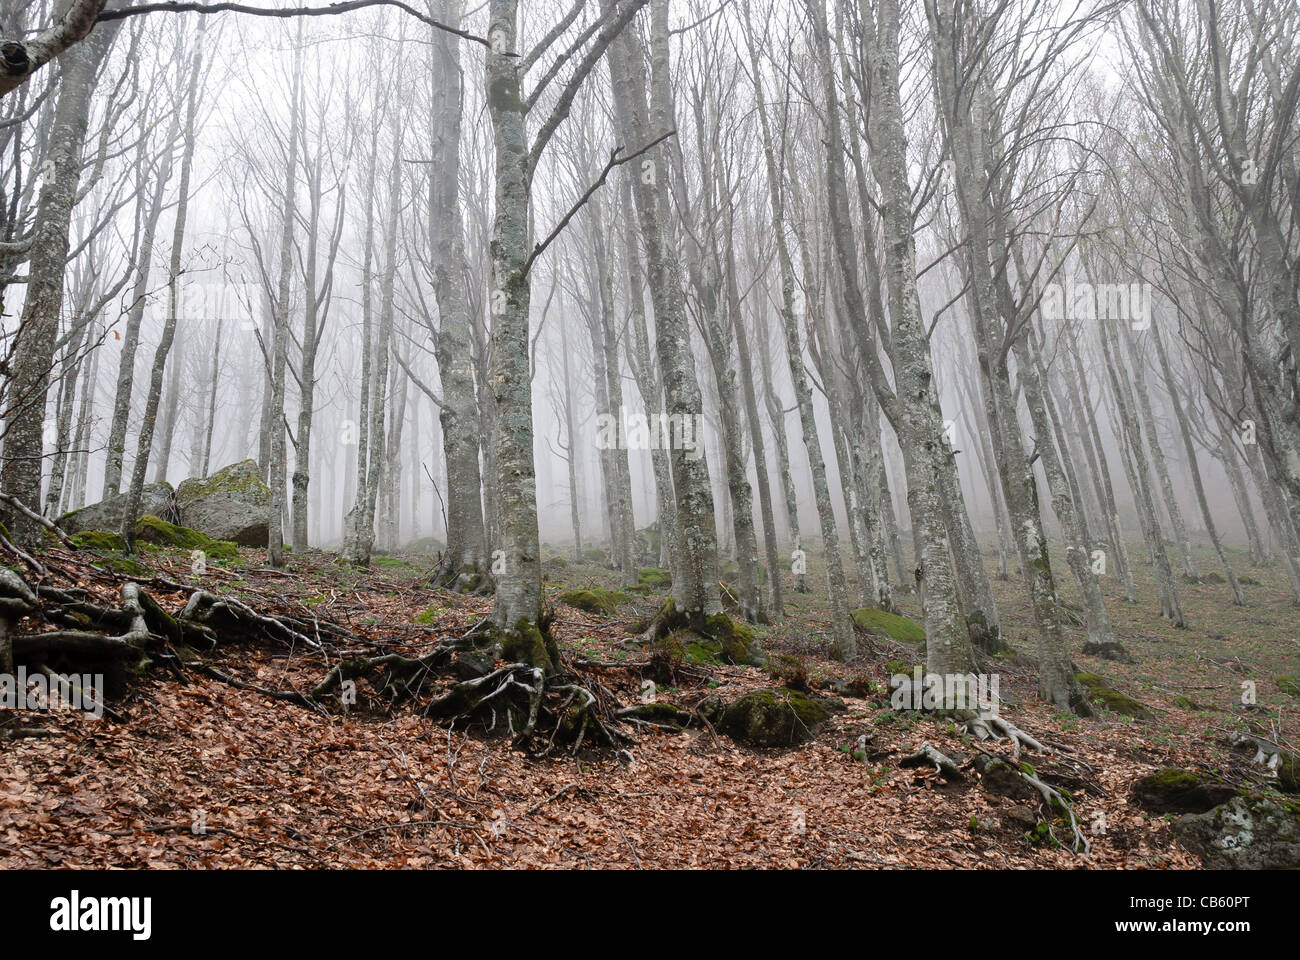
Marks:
<point>693,647</point>
<point>1248,581</point>
<point>100,540</point>
<point>655,577</point>
<point>1213,578</point>
<point>595,600</point>
<point>1108,650</point>
<point>151,529</point>
<point>1289,685</point>
<point>231,504</point>
<point>1099,690</point>
<point>767,718</point>
<point>156,499</point>
<point>1187,703</point>
<point>1181,791</point>
<point>881,623</point>
<point>593,555</point>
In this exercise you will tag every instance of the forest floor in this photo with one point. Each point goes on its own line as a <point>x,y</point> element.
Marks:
<point>196,772</point>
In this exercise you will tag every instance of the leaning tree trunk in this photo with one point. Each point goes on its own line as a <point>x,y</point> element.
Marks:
<point>844,644</point>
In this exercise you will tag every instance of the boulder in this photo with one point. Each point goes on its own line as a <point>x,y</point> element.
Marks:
<point>156,499</point>
<point>1108,650</point>
<point>231,504</point>
<point>1246,833</point>
<point>1181,791</point>
<point>767,718</point>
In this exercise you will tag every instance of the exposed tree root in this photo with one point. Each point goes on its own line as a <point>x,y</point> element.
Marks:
<point>470,579</point>
<point>928,755</point>
<point>543,706</point>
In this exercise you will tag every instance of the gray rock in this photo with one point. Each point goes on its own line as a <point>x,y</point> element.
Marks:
<point>156,499</point>
<point>1246,833</point>
<point>231,504</point>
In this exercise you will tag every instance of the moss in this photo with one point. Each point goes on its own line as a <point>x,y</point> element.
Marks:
<point>391,563</point>
<point>595,600</point>
<point>766,718</point>
<point>736,641</point>
<point>531,644</point>
<point>151,529</point>
<point>236,478</point>
<point>100,540</point>
<point>662,713</point>
<point>1186,703</point>
<point>1100,691</point>
<point>654,577</point>
<point>1289,684</point>
<point>594,555</point>
<point>1181,791</point>
<point>880,623</point>
<point>123,565</point>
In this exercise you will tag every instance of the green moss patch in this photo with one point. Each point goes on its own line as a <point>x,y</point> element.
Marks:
<point>595,600</point>
<point>767,718</point>
<point>1099,691</point>
<point>1181,791</point>
<point>151,529</point>
<point>880,623</point>
<point>655,577</point>
<point>100,540</point>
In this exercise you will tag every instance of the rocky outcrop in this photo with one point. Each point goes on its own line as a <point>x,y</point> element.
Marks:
<point>231,504</point>
<point>1246,833</point>
<point>156,499</point>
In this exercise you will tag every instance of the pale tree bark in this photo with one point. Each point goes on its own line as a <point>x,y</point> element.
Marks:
<point>25,395</point>
<point>135,314</point>
<point>695,581</point>
<point>1134,456</point>
<point>1137,368</point>
<point>844,644</point>
<point>458,414</point>
<point>147,424</point>
<point>962,104</point>
<point>1193,467</point>
<point>280,353</point>
<point>648,382</point>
